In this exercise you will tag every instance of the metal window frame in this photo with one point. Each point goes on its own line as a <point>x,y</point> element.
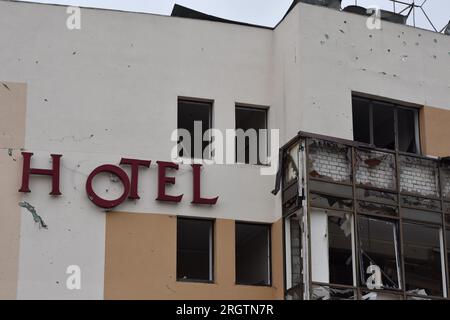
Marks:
<point>265,110</point>
<point>396,106</point>
<point>209,103</point>
<point>303,138</point>
<point>270,255</point>
<point>212,258</point>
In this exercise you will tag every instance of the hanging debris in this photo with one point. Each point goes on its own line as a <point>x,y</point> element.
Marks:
<point>37,218</point>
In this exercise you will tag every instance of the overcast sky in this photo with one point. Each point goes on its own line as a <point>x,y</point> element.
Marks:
<point>262,12</point>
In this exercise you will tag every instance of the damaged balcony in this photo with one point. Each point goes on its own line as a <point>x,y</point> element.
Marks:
<point>364,223</point>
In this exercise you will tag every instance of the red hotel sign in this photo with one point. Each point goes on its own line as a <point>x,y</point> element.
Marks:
<point>130,184</point>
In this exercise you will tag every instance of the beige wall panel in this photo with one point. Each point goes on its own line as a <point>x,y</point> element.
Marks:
<point>140,261</point>
<point>12,139</point>
<point>434,131</point>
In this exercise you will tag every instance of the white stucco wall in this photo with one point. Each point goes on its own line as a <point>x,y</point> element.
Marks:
<point>325,55</point>
<point>110,90</point>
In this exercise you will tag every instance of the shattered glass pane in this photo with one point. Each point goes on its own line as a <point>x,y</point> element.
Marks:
<point>379,253</point>
<point>331,188</point>
<point>331,247</point>
<point>422,259</point>
<point>376,208</point>
<point>375,169</point>
<point>329,293</point>
<point>421,203</point>
<point>419,176</point>
<point>423,216</point>
<point>329,195</point>
<point>332,202</point>
<point>329,160</point>
<point>376,196</point>
<point>340,248</point>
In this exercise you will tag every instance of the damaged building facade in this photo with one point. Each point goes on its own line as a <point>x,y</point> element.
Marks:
<point>361,206</point>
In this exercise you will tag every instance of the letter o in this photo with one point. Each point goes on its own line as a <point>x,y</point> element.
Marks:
<point>100,202</point>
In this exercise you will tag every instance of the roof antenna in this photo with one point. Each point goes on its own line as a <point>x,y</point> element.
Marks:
<point>413,7</point>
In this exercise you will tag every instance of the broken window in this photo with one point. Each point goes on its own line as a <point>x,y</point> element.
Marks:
<point>376,196</point>
<point>383,125</point>
<point>422,258</point>
<point>253,257</point>
<point>377,123</point>
<point>194,249</point>
<point>196,118</point>
<point>329,195</point>
<point>377,209</point>
<point>252,147</point>
<point>421,203</point>
<point>331,247</point>
<point>379,253</point>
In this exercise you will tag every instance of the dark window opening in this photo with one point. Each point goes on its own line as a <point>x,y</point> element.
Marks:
<point>361,120</point>
<point>386,125</point>
<point>407,132</point>
<point>379,247</point>
<point>190,112</point>
<point>340,249</point>
<point>253,257</point>
<point>423,268</point>
<point>249,146</point>
<point>195,250</point>
<point>383,126</point>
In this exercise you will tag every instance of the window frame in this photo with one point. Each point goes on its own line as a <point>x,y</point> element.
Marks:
<point>212,250</point>
<point>270,255</point>
<point>203,101</point>
<point>396,106</point>
<point>265,110</point>
<point>442,248</point>
<point>398,248</point>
